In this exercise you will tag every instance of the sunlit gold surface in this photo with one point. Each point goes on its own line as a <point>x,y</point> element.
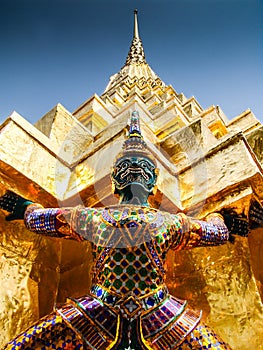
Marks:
<point>37,272</point>
<point>220,281</point>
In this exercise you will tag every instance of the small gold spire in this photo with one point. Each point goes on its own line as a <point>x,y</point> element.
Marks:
<point>136,52</point>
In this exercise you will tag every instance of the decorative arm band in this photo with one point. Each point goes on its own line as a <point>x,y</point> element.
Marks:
<point>52,222</point>
<point>211,232</point>
<point>41,220</point>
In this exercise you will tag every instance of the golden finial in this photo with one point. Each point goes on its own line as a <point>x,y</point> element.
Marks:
<point>135,28</point>
<point>136,52</point>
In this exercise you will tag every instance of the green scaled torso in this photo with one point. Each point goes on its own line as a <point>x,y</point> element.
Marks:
<point>130,246</point>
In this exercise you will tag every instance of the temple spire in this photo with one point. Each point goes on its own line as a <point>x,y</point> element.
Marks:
<point>136,52</point>
<point>135,69</point>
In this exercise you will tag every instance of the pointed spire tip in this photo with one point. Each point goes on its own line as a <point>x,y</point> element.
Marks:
<point>136,29</point>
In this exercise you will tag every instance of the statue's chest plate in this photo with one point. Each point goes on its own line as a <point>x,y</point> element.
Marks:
<point>128,226</point>
<point>132,217</point>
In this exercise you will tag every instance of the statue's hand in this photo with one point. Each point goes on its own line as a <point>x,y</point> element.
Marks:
<point>15,205</point>
<point>236,224</point>
<point>255,215</point>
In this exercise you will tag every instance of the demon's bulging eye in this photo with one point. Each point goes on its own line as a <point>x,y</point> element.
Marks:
<point>124,165</point>
<point>146,165</point>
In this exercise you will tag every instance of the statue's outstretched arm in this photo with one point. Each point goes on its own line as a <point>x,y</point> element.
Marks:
<point>194,233</point>
<point>15,205</point>
<point>72,223</point>
<point>241,225</point>
<point>217,227</point>
<point>213,231</point>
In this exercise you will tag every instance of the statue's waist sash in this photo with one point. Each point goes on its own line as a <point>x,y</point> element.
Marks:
<point>164,320</point>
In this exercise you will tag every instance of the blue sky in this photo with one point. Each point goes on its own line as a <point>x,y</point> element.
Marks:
<point>65,51</point>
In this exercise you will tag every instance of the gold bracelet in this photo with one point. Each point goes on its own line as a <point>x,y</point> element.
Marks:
<point>216,215</point>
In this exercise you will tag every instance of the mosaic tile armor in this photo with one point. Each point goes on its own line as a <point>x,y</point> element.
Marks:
<point>128,305</point>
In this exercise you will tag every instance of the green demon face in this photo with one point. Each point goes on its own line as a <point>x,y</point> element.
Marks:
<point>134,170</point>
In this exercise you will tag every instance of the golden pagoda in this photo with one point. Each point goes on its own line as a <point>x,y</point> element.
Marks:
<point>205,161</point>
